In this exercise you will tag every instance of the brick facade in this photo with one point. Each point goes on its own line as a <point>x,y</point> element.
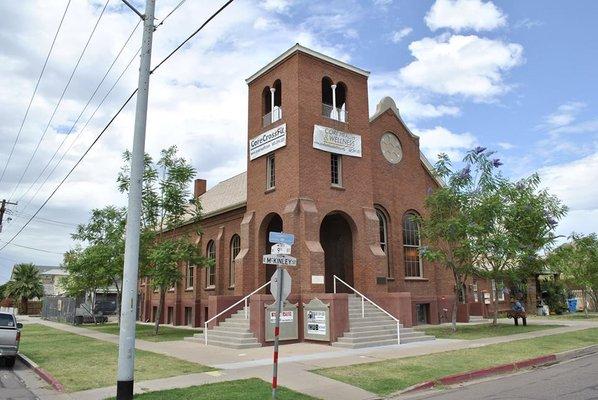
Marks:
<point>305,201</point>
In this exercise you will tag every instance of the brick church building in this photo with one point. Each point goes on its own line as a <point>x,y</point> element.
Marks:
<point>344,180</point>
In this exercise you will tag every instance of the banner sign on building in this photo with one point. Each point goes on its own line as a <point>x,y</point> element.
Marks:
<point>335,141</point>
<point>268,141</point>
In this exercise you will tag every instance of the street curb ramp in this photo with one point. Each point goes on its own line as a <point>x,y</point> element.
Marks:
<point>42,373</point>
<point>501,369</point>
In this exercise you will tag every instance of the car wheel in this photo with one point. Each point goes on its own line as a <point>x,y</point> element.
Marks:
<point>10,361</point>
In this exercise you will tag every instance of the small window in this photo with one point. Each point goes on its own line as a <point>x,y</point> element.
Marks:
<point>211,270</point>
<point>411,245</point>
<point>336,170</point>
<point>271,172</point>
<point>235,248</point>
<point>190,276</point>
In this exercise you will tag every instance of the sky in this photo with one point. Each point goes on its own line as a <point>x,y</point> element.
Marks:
<point>518,77</point>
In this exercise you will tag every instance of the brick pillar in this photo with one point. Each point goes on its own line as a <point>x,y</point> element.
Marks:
<point>245,262</point>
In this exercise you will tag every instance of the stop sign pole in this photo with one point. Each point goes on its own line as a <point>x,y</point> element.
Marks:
<point>280,276</point>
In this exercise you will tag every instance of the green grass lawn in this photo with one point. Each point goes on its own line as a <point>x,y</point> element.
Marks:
<point>146,332</point>
<point>245,389</point>
<point>385,377</point>
<point>471,332</point>
<point>80,363</point>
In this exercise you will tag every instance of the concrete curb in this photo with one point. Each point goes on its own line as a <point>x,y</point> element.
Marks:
<point>501,369</point>
<point>42,373</point>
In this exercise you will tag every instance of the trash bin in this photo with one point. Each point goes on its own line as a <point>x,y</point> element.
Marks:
<point>572,305</point>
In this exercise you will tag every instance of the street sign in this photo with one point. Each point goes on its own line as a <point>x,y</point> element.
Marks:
<point>279,259</point>
<point>275,283</point>
<point>281,248</point>
<point>281,237</point>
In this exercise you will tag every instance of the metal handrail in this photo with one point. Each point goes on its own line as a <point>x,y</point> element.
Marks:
<point>205,325</point>
<point>363,299</point>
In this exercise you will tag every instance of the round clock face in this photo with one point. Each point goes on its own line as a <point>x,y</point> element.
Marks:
<point>391,148</point>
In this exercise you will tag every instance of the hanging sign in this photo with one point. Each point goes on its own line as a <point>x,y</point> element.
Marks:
<point>335,141</point>
<point>268,141</point>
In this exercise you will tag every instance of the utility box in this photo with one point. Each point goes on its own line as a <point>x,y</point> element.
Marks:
<point>316,317</point>
<point>289,322</point>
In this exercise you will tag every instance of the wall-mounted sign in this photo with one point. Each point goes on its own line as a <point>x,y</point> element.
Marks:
<point>268,141</point>
<point>316,319</point>
<point>335,141</point>
<point>285,316</point>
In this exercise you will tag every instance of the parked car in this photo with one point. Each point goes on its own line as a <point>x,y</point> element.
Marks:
<point>105,307</point>
<point>10,335</point>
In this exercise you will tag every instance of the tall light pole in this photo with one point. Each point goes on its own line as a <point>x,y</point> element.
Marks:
<point>128,315</point>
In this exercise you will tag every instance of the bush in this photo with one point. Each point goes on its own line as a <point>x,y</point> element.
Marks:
<point>555,295</point>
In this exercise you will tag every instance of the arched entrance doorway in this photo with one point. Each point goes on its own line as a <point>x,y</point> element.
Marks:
<point>272,223</point>
<point>336,239</point>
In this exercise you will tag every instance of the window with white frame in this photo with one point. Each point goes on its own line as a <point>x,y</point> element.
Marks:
<point>211,269</point>
<point>336,170</point>
<point>411,246</point>
<point>189,276</point>
<point>271,172</point>
<point>235,248</point>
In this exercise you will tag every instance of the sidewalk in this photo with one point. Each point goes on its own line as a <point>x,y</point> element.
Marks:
<point>296,360</point>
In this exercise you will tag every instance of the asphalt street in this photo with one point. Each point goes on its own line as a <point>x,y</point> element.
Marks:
<point>11,387</point>
<point>573,380</point>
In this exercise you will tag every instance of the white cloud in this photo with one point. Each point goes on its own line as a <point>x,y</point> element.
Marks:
<point>462,65</point>
<point>527,23</point>
<point>506,145</point>
<point>461,15</point>
<point>440,140</point>
<point>382,3</point>
<point>279,6</point>
<point>564,115</point>
<point>575,184</point>
<point>397,36</point>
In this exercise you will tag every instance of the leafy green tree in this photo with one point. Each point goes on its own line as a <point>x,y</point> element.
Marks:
<point>165,208</point>
<point>446,226</point>
<point>510,221</point>
<point>577,262</point>
<point>25,284</point>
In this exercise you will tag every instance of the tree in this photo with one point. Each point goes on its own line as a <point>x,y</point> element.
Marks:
<point>577,261</point>
<point>446,225</point>
<point>100,265</point>
<point>25,284</point>
<point>165,208</point>
<point>511,222</point>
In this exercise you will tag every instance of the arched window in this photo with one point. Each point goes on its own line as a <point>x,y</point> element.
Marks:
<point>383,230</point>
<point>327,91</point>
<point>334,98</point>
<point>189,276</point>
<point>211,270</point>
<point>278,93</point>
<point>235,248</point>
<point>411,245</point>
<point>266,100</point>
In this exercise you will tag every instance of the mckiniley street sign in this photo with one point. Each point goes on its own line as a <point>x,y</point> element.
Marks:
<point>280,259</point>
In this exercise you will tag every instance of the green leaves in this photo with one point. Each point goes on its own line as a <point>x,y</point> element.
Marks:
<point>25,284</point>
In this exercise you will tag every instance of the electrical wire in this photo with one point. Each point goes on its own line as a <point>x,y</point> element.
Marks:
<point>41,74</point>
<point>29,248</point>
<point>110,123</point>
<point>60,99</point>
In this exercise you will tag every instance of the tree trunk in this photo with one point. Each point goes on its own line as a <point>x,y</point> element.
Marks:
<point>159,311</point>
<point>495,302</point>
<point>93,305</point>
<point>454,316</point>
<point>585,305</point>
<point>118,294</point>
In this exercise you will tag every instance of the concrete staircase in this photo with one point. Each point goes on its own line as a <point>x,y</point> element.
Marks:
<point>233,333</point>
<point>376,329</point>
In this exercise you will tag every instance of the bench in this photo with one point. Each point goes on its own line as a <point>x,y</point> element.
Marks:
<point>516,315</point>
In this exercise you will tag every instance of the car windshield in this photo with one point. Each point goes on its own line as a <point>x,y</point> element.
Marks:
<point>6,321</point>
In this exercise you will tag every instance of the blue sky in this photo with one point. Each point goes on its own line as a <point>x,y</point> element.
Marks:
<point>516,76</point>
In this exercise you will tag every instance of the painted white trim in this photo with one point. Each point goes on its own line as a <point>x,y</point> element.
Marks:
<point>297,47</point>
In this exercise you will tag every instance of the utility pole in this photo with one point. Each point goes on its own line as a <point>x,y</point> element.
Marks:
<point>3,210</point>
<point>128,315</point>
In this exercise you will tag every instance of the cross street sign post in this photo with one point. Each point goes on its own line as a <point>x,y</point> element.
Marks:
<point>280,285</point>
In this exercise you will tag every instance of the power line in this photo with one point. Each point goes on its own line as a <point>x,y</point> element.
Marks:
<point>60,99</point>
<point>170,13</point>
<point>67,135</point>
<point>34,92</point>
<point>110,123</point>
<point>30,248</point>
